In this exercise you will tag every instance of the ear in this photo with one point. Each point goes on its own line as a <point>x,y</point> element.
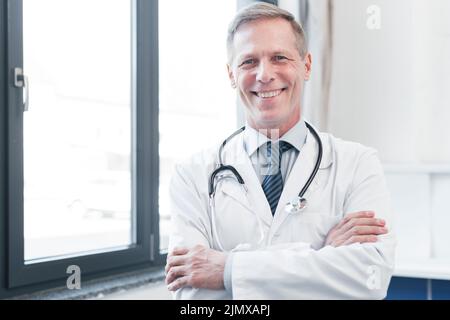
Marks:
<point>308,63</point>
<point>231,76</point>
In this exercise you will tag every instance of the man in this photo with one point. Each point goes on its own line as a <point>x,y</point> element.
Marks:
<point>337,248</point>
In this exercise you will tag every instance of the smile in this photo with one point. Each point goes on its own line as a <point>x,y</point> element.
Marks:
<point>268,94</point>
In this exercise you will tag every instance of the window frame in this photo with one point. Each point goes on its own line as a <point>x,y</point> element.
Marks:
<point>145,252</point>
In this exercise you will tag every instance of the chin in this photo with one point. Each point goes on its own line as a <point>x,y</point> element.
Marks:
<point>272,116</point>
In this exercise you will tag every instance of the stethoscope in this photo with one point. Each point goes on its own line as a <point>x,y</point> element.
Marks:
<point>298,204</point>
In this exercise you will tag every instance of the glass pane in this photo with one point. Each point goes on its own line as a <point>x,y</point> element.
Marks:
<point>78,130</point>
<point>197,103</point>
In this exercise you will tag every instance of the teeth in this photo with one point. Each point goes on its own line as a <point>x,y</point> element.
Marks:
<point>269,94</point>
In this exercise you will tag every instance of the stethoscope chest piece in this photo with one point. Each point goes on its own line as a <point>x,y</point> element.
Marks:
<point>297,205</point>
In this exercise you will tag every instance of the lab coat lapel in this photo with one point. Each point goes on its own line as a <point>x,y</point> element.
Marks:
<point>254,199</point>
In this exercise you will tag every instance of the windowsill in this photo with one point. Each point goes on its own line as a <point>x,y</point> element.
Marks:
<point>100,287</point>
<point>436,269</point>
<point>430,168</point>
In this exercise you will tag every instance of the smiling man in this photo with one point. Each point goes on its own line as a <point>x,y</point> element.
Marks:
<point>268,66</point>
<point>233,235</point>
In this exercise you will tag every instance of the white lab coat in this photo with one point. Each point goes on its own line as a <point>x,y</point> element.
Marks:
<point>293,263</point>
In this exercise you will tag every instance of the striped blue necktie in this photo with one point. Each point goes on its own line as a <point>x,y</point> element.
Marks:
<point>273,183</point>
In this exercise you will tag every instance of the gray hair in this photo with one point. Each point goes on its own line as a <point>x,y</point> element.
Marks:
<point>262,10</point>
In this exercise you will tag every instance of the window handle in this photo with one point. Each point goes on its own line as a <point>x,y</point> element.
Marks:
<point>21,81</point>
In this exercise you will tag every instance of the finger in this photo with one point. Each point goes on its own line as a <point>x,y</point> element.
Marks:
<point>337,243</point>
<point>361,239</point>
<point>178,283</point>
<point>369,222</point>
<point>175,273</point>
<point>177,251</point>
<point>174,261</point>
<point>359,231</point>
<point>364,231</point>
<point>353,215</point>
<point>355,222</point>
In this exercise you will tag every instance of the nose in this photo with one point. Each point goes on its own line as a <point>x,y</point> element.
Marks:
<point>265,72</point>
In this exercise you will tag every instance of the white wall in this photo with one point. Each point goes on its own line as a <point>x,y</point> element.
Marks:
<point>391,90</point>
<point>390,86</point>
<point>431,48</point>
<point>371,89</point>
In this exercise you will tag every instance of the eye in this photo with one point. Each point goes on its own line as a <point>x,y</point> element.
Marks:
<point>247,62</point>
<point>279,58</point>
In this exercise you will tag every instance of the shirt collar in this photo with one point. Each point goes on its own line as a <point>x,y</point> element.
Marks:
<point>296,136</point>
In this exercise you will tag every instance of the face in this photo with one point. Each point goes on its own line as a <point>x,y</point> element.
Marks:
<point>268,72</point>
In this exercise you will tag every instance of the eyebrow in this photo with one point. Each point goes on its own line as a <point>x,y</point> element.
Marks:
<point>276,53</point>
<point>245,56</point>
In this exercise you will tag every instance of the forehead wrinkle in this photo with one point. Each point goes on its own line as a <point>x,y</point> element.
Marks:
<point>264,53</point>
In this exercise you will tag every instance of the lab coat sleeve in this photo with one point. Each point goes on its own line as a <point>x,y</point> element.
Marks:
<point>190,226</point>
<point>357,271</point>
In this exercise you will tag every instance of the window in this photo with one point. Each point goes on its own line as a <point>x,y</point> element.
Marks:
<point>195,94</point>
<point>77,131</point>
<point>82,161</point>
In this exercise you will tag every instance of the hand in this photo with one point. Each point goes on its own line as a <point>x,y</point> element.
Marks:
<point>198,267</point>
<point>357,227</point>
